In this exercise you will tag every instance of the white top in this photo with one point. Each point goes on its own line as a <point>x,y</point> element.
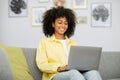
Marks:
<point>65,49</point>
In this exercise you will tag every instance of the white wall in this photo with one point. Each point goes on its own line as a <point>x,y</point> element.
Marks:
<point>19,32</point>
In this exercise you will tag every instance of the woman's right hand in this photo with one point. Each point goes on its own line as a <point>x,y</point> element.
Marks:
<point>61,68</point>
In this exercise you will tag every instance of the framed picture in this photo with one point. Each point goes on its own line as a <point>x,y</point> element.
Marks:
<point>36,14</point>
<point>43,1</point>
<point>17,8</point>
<point>79,4</point>
<point>101,15</point>
<point>82,20</point>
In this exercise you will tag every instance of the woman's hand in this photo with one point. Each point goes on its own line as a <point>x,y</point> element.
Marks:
<point>61,68</point>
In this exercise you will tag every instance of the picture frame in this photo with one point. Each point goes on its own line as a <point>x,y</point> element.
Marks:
<point>36,15</point>
<point>82,20</point>
<point>101,14</point>
<point>43,1</point>
<point>80,4</point>
<point>18,8</point>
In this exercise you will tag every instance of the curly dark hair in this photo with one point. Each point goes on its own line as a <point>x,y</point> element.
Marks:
<point>52,14</point>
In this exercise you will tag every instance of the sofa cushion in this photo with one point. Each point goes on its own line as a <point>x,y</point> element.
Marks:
<point>114,79</point>
<point>5,71</point>
<point>110,65</point>
<point>30,54</point>
<point>17,61</point>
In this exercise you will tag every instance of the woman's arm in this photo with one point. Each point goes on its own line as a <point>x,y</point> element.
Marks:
<point>42,60</point>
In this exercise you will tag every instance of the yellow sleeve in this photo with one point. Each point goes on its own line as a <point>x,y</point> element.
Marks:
<point>42,61</point>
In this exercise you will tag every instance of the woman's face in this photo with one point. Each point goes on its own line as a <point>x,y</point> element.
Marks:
<point>60,26</point>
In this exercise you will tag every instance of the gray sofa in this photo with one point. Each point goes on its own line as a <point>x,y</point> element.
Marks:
<point>109,66</point>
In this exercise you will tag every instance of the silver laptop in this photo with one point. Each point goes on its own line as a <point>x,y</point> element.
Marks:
<point>84,58</point>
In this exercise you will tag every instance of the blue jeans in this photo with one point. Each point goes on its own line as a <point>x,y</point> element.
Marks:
<point>76,75</point>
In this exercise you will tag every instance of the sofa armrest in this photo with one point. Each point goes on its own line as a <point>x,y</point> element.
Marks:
<point>5,71</point>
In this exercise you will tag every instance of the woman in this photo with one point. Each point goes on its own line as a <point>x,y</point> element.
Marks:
<point>52,52</point>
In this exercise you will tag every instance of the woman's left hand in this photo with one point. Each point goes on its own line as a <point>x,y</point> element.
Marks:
<point>61,68</point>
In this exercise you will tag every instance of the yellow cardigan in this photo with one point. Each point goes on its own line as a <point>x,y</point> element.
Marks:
<point>50,55</point>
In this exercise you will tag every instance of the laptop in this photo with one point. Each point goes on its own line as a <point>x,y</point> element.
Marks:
<point>84,58</point>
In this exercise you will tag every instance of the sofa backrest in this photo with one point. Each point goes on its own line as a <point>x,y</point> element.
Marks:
<point>109,67</point>
<point>30,54</point>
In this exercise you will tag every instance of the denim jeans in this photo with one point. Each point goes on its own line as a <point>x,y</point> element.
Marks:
<point>76,75</point>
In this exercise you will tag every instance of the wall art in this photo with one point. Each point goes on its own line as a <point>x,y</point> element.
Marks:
<point>17,8</point>
<point>44,1</point>
<point>101,15</point>
<point>36,14</point>
<point>79,4</point>
<point>82,20</point>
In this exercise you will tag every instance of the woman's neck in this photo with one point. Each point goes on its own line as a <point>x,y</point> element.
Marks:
<point>60,37</point>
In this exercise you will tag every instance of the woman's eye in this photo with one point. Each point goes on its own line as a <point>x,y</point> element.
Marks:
<point>66,23</point>
<point>59,22</point>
